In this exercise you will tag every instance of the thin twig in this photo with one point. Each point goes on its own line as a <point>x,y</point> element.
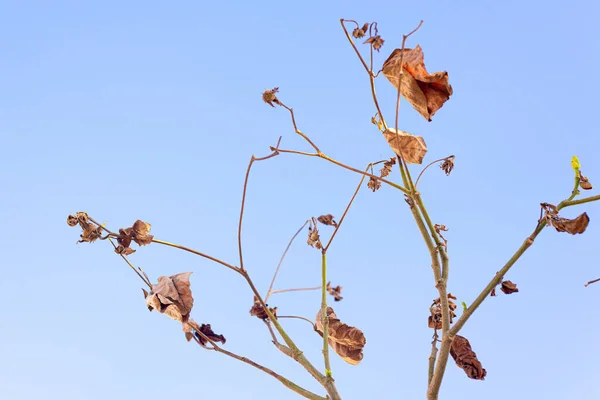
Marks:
<point>252,160</point>
<point>293,290</point>
<point>337,227</point>
<point>286,382</point>
<point>432,357</point>
<point>198,253</point>
<point>324,317</point>
<point>284,349</point>
<point>297,317</point>
<point>281,259</point>
<point>298,131</point>
<point>590,282</point>
<point>424,169</point>
<point>143,278</point>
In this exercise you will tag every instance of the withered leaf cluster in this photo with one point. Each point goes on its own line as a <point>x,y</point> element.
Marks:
<point>572,226</point>
<point>465,358</point>
<point>360,32</point>
<point>327,220</point>
<point>412,148</point>
<point>258,311</point>
<point>584,182</point>
<point>91,232</point>
<point>507,287</point>
<point>172,296</point>
<point>439,229</point>
<point>426,92</point>
<point>314,240</point>
<point>347,341</point>
<point>139,233</point>
<point>387,167</point>
<point>336,292</point>
<point>447,165</point>
<point>375,41</point>
<point>374,184</point>
<point>434,321</point>
<point>207,331</point>
<point>269,97</point>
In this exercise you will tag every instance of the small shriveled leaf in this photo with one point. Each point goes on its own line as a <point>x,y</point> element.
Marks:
<point>373,184</point>
<point>72,220</point>
<point>258,310</point>
<point>439,229</point>
<point>572,226</point>
<point>387,167</point>
<point>90,233</point>
<point>139,233</point>
<point>376,41</point>
<point>124,251</point>
<point>347,341</point>
<point>584,182</point>
<point>412,148</point>
<point>447,165</point>
<point>208,332</point>
<point>335,292</point>
<point>269,97</point>
<point>358,33</point>
<point>314,240</point>
<point>426,92</point>
<point>508,287</point>
<point>327,220</point>
<point>465,358</point>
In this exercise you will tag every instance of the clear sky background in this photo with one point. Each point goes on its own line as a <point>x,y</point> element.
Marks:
<point>151,110</point>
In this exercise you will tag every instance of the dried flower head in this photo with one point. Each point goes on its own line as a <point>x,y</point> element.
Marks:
<point>314,240</point>
<point>327,220</point>
<point>508,287</point>
<point>373,184</point>
<point>258,311</point>
<point>360,32</point>
<point>269,97</point>
<point>375,41</point>
<point>447,165</point>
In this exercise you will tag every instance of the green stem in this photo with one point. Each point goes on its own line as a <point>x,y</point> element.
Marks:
<point>324,318</point>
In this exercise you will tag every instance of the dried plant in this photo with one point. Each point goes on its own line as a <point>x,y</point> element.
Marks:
<point>405,69</point>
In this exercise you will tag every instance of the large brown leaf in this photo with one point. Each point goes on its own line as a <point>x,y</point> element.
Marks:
<point>412,148</point>
<point>465,358</point>
<point>426,92</point>
<point>172,296</point>
<point>347,341</point>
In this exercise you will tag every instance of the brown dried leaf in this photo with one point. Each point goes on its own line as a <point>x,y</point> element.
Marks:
<point>207,331</point>
<point>124,251</point>
<point>314,240</point>
<point>258,311</point>
<point>434,321</point>
<point>172,296</point>
<point>448,165</point>
<point>572,226</point>
<point>411,147</point>
<point>465,358</point>
<point>347,341</point>
<point>426,92</point>
<point>508,287</point>
<point>373,184</point>
<point>335,292</point>
<point>327,220</point>
<point>269,97</point>
<point>358,33</point>
<point>90,233</point>
<point>387,167</point>
<point>139,233</point>
<point>584,182</point>
<point>376,41</point>
<point>72,220</point>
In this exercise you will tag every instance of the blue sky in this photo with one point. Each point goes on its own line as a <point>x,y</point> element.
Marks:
<point>151,111</point>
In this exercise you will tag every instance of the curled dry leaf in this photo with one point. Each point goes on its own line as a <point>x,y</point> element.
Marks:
<point>373,184</point>
<point>584,182</point>
<point>426,92</point>
<point>572,226</point>
<point>269,97</point>
<point>447,165</point>
<point>358,33</point>
<point>327,220</point>
<point>376,41</point>
<point>91,232</point>
<point>208,332</point>
<point>347,341</point>
<point>258,311</point>
<point>335,292</point>
<point>465,358</point>
<point>434,321</point>
<point>172,296</point>
<point>412,148</point>
<point>387,167</point>
<point>139,233</point>
<point>124,251</point>
<point>314,240</point>
<point>439,228</point>
<point>508,287</point>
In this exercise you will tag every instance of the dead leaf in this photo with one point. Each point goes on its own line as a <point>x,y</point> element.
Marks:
<point>208,332</point>
<point>412,148</point>
<point>172,296</point>
<point>387,167</point>
<point>508,287</point>
<point>335,292</point>
<point>376,41</point>
<point>347,341</point>
<point>426,92</point>
<point>269,97</point>
<point>258,311</point>
<point>572,226</point>
<point>124,251</point>
<point>314,240</point>
<point>358,33</point>
<point>434,321</point>
<point>139,233</point>
<point>584,182</point>
<point>448,165</point>
<point>327,220</point>
<point>373,184</point>
<point>90,233</point>
<point>465,358</point>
